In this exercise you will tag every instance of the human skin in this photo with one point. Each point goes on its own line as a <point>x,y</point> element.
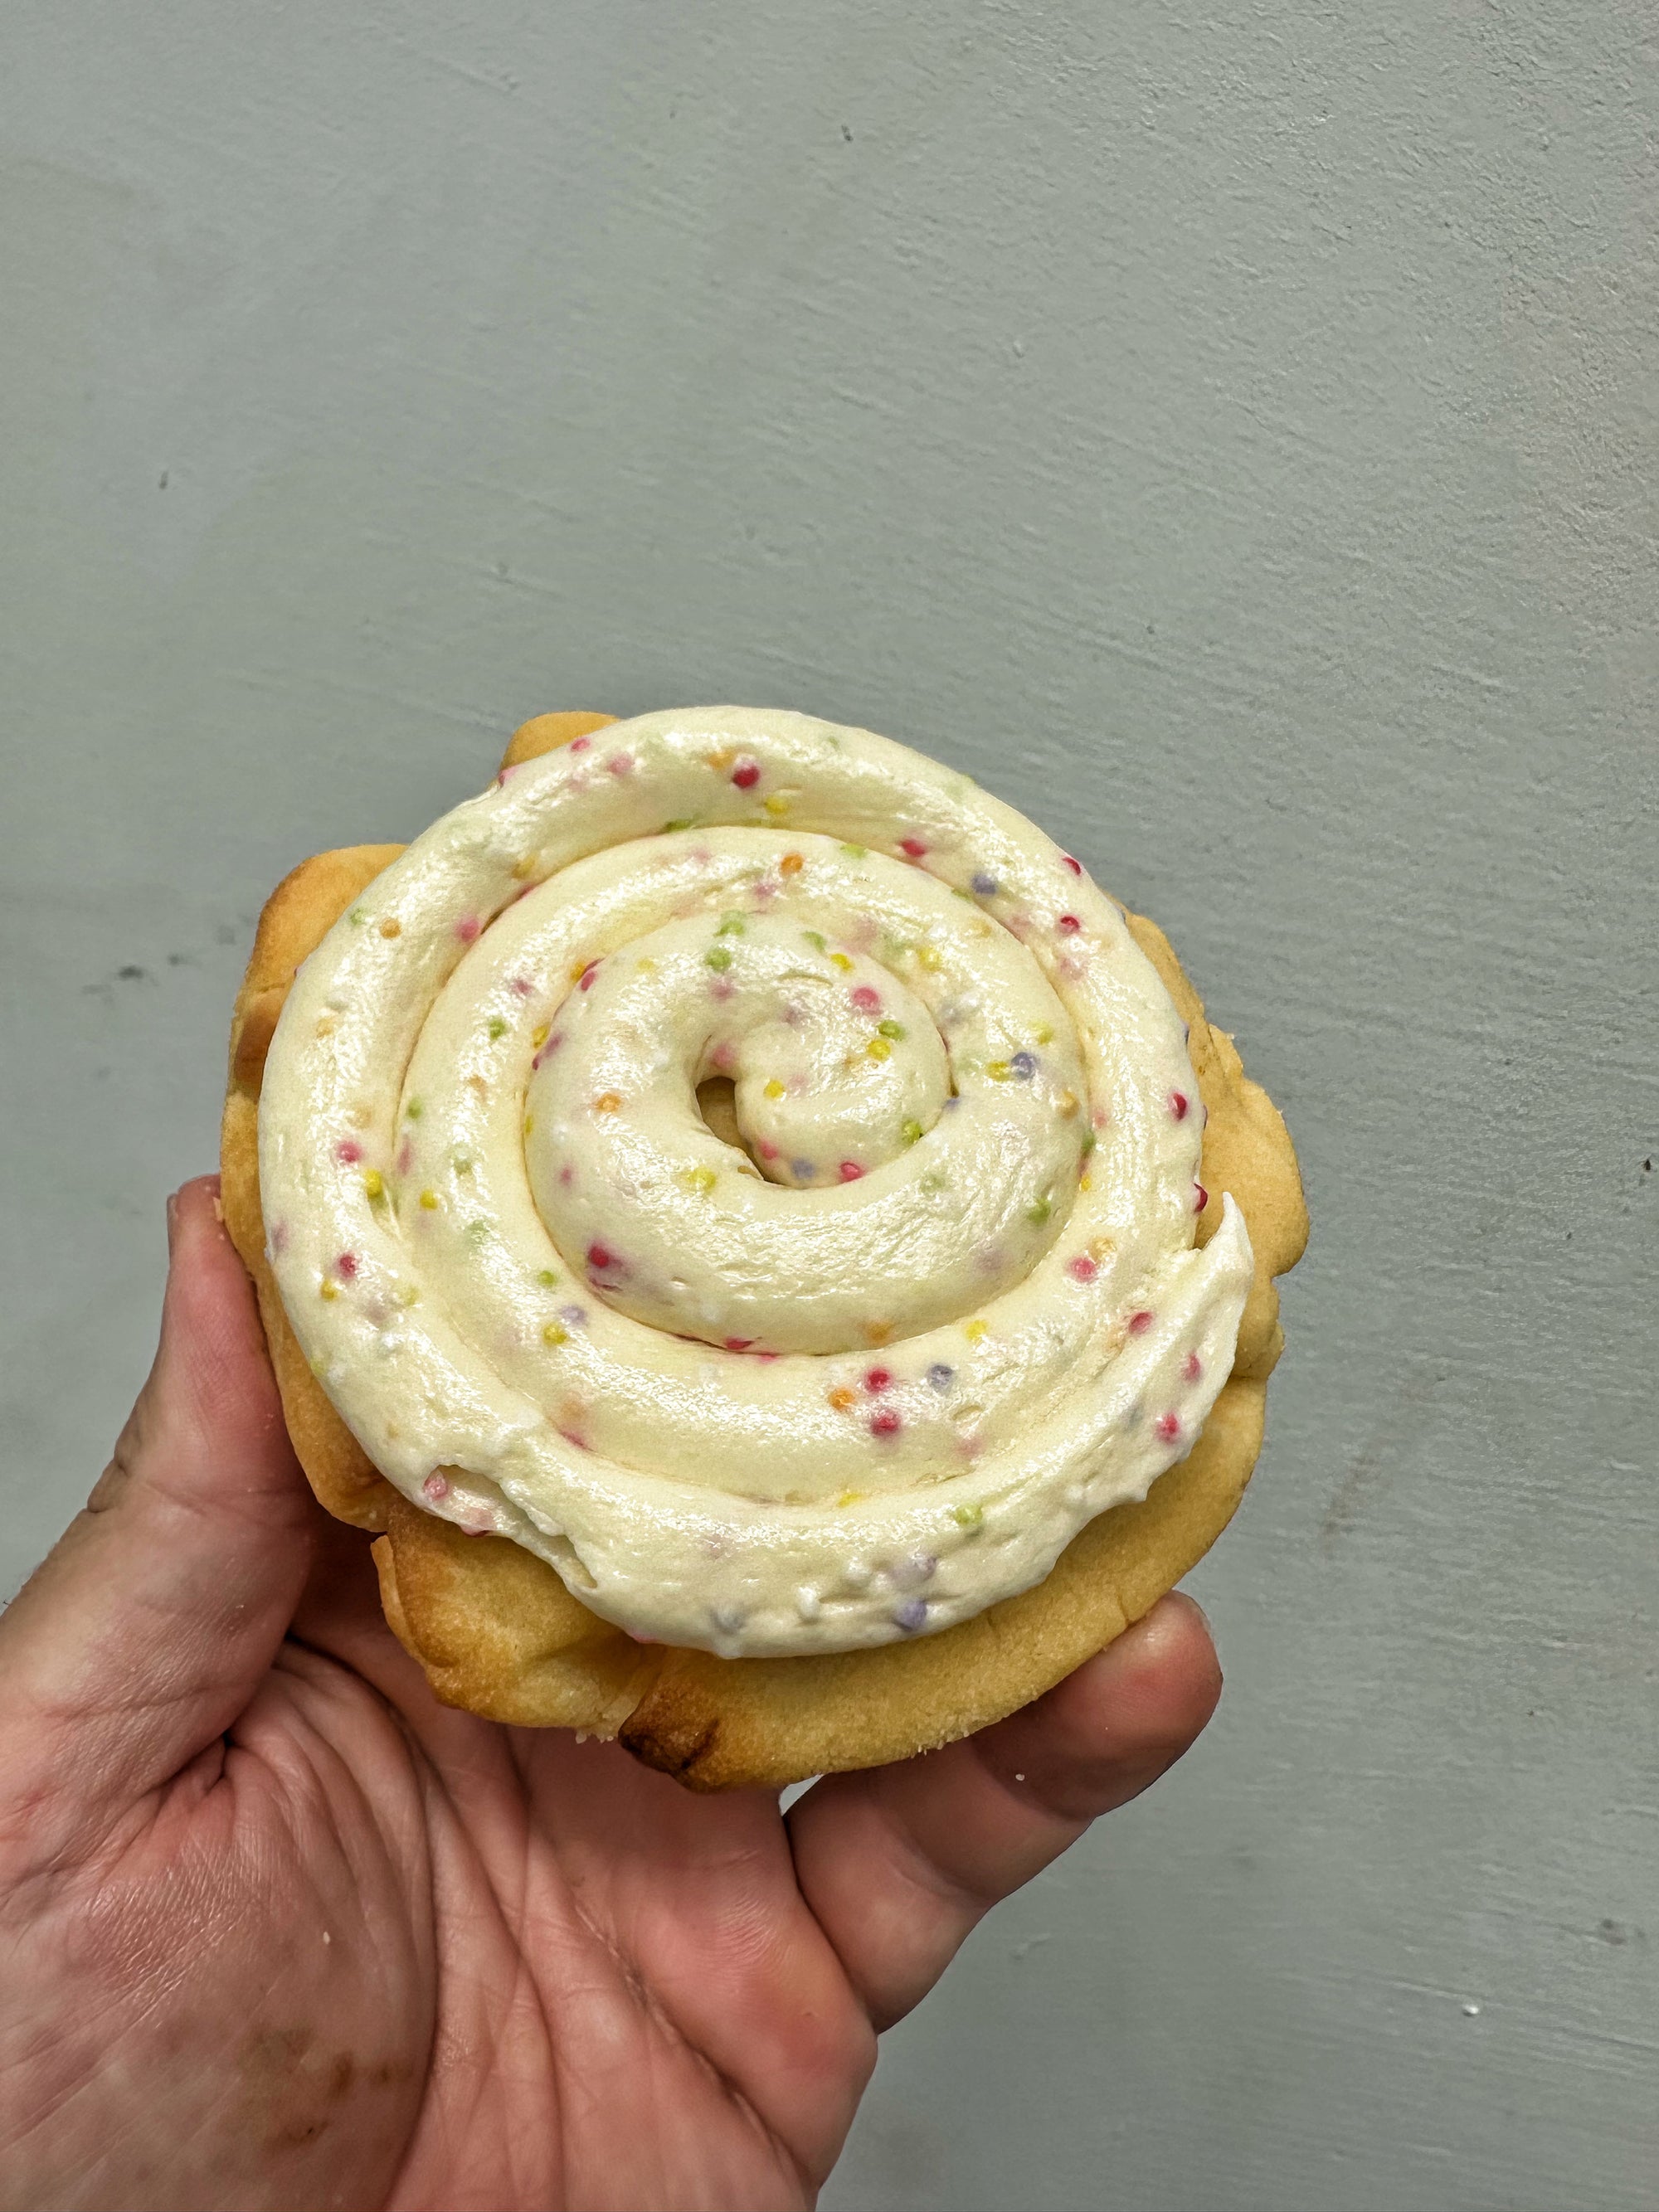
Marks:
<point>277,1929</point>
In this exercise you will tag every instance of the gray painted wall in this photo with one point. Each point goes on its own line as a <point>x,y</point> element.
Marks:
<point>1230,433</point>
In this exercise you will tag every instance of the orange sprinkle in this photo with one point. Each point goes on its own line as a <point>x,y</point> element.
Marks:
<point>791,865</point>
<point>722,757</point>
<point>877,1332</point>
<point>326,1025</point>
<point>1066,1104</point>
<point>842,1398</point>
<point>607,1102</point>
<point>392,927</point>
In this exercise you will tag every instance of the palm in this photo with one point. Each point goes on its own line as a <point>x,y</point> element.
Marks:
<point>314,1939</point>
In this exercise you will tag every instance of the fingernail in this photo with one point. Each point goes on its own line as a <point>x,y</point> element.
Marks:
<point>173,1222</point>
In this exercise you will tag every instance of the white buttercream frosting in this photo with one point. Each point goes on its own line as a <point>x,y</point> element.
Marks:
<point>855,1379</point>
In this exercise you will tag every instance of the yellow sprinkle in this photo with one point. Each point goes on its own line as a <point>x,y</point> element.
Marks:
<point>1101,1248</point>
<point>998,1070</point>
<point>1066,1104</point>
<point>1085,1182</point>
<point>723,758</point>
<point>699,1180</point>
<point>374,1184</point>
<point>878,1048</point>
<point>775,803</point>
<point>430,1201</point>
<point>645,965</point>
<point>553,1333</point>
<point>326,1289</point>
<point>849,1497</point>
<point>530,1125</point>
<point>791,865</point>
<point>930,959</point>
<point>840,1398</point>
<point>392,927</point>
<point>408,1296</point>
<point>538,1036</point>
<point>840,960</point>
<point>967,1517</point>
<point>327,1024</point>
<point>576,970</point>
<point>523,866</point>
<point>975,1331</point>
<point>1045,1033</point>
<point>607,1102</point>
<point>773,1088</point>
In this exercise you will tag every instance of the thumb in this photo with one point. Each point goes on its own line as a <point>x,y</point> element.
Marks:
<point>147,1629</point>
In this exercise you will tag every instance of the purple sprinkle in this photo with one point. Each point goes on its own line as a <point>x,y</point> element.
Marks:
<point>953,1101</point>
<point>984,884</point>
<point>1023,1065</point>
<point>800,1170</point>
<point>576,1316</point>
<point>912,1613</point>
<point>915,1568</point>
<point>940,1376</point>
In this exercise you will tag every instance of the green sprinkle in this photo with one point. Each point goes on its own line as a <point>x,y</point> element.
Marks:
<point>358,915</point>
<point>718,956</point>
<point>463,1160</point>
<point>935,1180</point>
<point>967,1517</point>
<point>477,1232</point>
<point>498,1025</point>
<point>680,822</point>
<point>732,925</point>
<point>547,1277</point>
<point>414,1110</point>
<point>890,1029</point>
<point>1089,1142</point>
<point>1038,1211</point>
<point>816,939</point>
<point>856,852</point>
<point>911,1132</point>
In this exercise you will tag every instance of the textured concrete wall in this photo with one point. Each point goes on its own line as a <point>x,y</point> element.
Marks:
<point>1230,433</point>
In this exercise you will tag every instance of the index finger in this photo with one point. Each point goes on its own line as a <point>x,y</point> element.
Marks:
<point>900,1863</point>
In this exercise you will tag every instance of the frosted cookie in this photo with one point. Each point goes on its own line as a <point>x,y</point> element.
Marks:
<point>751,1222</point>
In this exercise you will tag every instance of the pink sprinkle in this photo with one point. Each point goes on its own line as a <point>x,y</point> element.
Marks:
<point>767,1150</point>
<point>912,846</point>
<point>566,1176</point>
<point>1169,1426</point>
<point>585,980</point>
<point>1192,1367</point>
<point>1140,1322</point>
<point>1201,1198</point>
<point>599,1258</point>
<point>523,986</point>
<point>1178,1104</point>
<point>349,1150</point>
<point>405,1156</point>
<point>579,745</point>
<point>722,988</point>
<point>1082,1269</point>
<point>738,1343</point>
<point>1069,922</point>
<point>572,1437</point>
<point>1100,1118</point>
<point>621,764</point>
<point>502,775</point>
<point>746,775</point>
<point>876,1380</point>
<point>850,1171</point>
<point>766,1355</point>
<point>1076,867</point>
<point>885,1423</point>
<point>434,1488</point>
<point>468,928</point>
<point>279,1237</point>
<point>866,999</point>
<point>346,1265</point>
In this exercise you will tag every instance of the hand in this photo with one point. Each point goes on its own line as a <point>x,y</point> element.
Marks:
<point>279,1930</point>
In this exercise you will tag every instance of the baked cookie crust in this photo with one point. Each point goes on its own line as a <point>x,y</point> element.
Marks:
<point>498,1633</point>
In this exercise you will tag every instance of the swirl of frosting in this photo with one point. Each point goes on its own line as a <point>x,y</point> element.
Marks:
<point>745,1163</point>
